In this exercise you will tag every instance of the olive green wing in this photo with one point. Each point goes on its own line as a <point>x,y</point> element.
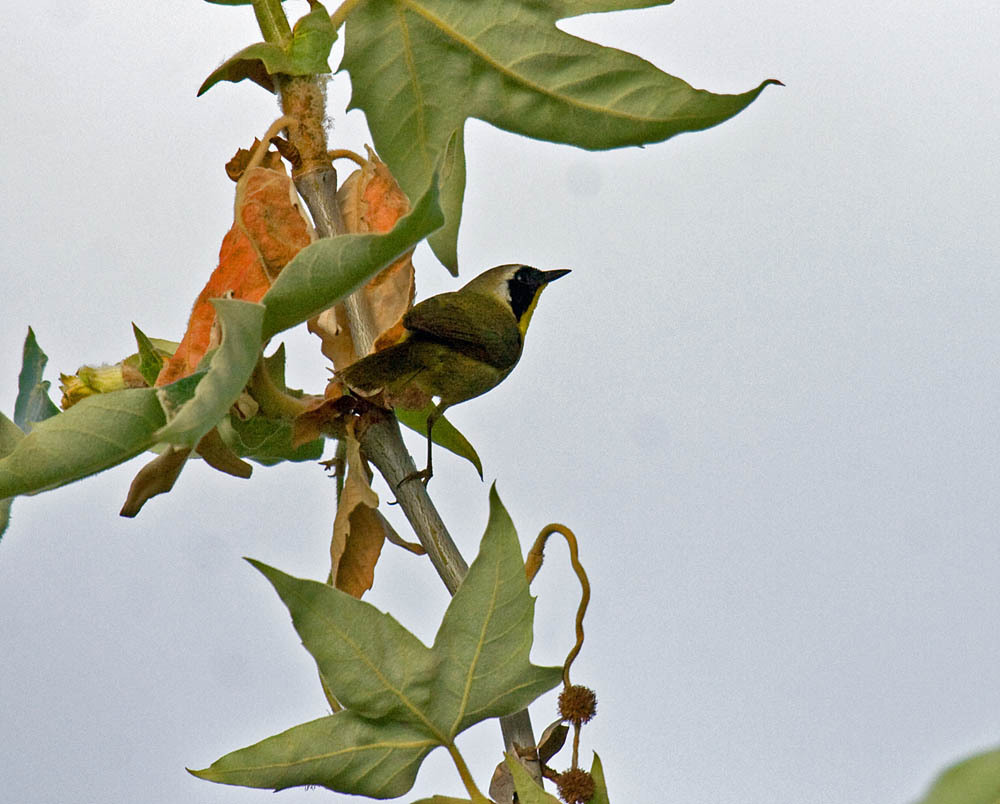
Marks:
<point>383,369</point>
<point>479,326</point>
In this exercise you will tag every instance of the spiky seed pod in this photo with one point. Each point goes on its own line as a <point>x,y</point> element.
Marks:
<point>577,704</point>
<point>575,786</point>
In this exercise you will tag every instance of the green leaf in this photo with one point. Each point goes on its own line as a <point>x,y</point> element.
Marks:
<point>32,404</point>
<point>973,781</point>
<point>95,434</point>
<point>267,441</point>
<point>229,369</point>
<point>343,751</point>
<point>600,786</point>
<point>312,38</point>
<point>486,635</point>
<point>528,791</point>
<point>411,697</point>
<point>331,268</point>
<point>10,436</point>
<point>444,242</point>
<point>420,68</point>
<point>444,800</point>
<point>445,434</point>
<point>150,360</point>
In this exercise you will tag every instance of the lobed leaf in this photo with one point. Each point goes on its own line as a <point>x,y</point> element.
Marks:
<point>409,697</point>
<point>229,369</point>
<point>32,404</point>
<point>420,68</point>
<point>331,268</point>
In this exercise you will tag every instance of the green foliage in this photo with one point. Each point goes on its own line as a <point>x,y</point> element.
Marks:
<point>267,441</point>
<point>108,429</point>
<point>420,68</point>
<point>307,54</point>
<point>402,698</point>
<point>95,434</point>
<point>150,359</point>
<point>445,434</point>
<point>32,404</point>
<point>973,781</point>
<point>528,791</point>
<point>331,268</point>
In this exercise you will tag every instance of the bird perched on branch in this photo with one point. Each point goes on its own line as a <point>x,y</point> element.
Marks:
<point>456,345</point>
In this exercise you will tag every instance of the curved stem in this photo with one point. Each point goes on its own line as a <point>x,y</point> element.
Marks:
<point>533,563</point>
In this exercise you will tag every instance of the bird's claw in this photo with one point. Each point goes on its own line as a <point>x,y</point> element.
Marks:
<point>423,474</point>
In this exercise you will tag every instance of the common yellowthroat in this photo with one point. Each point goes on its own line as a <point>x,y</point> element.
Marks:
<point>457,345</point>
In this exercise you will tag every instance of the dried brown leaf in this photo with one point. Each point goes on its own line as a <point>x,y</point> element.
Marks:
<point>358,533</point>
<point>156,477</point>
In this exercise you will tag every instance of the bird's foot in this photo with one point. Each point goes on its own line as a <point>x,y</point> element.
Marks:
<point>423,474</point>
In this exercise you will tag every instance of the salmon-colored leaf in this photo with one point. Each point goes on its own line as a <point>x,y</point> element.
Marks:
<point>371,203</point>
<point>268,231</point>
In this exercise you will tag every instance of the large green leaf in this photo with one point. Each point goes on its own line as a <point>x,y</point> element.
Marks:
<point>95,434</point>
<point>32,404</point>
<point>389,680</point>
<point>331,268</point>
<point>973,781</point>
<point>307,54</point>
<point>229,369</point>
<point>420,68</point>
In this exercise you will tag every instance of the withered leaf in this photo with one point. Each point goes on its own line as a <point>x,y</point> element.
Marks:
<point>371,202</point>
<point>269,230</point>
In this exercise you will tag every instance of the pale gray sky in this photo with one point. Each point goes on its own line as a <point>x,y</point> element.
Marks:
<point>766,400</point>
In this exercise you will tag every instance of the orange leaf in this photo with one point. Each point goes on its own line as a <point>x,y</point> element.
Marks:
<point>269,230</point>
<point>370,201</point>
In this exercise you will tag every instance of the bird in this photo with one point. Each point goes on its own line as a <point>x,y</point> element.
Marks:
<point>457,345</point>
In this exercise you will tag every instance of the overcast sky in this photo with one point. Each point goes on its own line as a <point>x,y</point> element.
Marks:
<point>766,400</point>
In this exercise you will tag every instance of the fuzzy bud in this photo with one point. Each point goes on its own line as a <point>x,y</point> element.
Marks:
<point>577,704</point>
<point>575,786</point>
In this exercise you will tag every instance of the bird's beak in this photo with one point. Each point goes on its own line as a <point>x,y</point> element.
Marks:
<point>552,276</point>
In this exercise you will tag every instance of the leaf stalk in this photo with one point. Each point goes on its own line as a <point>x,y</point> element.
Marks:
<point>272,22</point>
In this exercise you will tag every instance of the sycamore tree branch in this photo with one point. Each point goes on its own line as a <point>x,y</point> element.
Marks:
<point>383,444</point>
<point>303,100</point>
